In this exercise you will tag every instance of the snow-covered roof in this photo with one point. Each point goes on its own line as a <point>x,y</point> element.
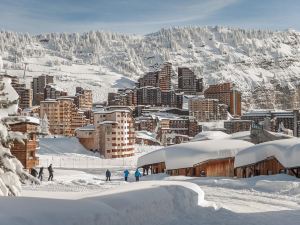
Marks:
<point>286,151</point>
<point>112,111</point>
<point>188,154</point>
<point>210,135</point>
<point>108,122</point>
<point>22,119</point>
<point>145,135</point>
<point>153,157</point>
<point>89,127</point>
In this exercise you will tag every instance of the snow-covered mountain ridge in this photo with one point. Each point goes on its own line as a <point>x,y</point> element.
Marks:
<point>265,65</point>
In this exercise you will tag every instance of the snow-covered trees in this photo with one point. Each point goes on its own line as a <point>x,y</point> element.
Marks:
<point>11,170</point>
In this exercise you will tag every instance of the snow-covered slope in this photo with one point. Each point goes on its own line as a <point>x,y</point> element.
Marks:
<point>264,64</point>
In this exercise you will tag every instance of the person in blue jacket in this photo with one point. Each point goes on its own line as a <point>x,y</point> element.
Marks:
<point>126,173</point>
<point>137,175</point>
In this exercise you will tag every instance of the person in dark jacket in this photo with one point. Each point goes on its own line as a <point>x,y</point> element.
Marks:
<point>137,175</point>
<point>50,170</point>
<point>108,174</point>
<point>41,173</point>
<point>126,174</point>
<point>33,173</point>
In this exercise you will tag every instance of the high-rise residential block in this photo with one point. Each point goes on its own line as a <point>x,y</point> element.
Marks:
<point>227,94</point>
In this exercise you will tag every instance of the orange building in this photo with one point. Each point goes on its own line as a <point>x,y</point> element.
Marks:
<point>227,94</point>
<point>112,134</point>
<point>26,152</point>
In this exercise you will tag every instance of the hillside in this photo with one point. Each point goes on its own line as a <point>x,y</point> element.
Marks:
<point>264,64</point>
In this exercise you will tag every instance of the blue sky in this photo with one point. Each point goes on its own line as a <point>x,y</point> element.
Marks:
<point>145,16</point>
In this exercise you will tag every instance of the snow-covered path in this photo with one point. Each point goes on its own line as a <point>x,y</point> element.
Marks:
<point>245,201</point>
<point>273,200</point>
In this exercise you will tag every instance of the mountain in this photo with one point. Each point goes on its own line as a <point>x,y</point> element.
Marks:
<point>265,65</point>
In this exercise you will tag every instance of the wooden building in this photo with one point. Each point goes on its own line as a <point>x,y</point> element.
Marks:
<point>215,168</point>
<point>213,158</point>
<point>26,152</point>
<point>269,158</point>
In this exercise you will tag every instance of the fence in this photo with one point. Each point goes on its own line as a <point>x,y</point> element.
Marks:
<point>61,161</point>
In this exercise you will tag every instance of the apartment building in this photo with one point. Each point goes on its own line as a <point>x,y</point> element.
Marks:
<point>112,134</point>
<point>204,109</point>
<point>188,83</point>
<point>84,98</point>
<point>164,77</point>
<point>290,119</point>
<point>124,97</point>
<point>160,78</point>
<point>149,79</point>
<point>172,99</point>
<point>38,84</point>
<point>63,116</point>
<point>25,94</point>
<point>236,125</point>
<point>26,152</point>
<point>149,96</point>
<point>51,91</point>
<point>227,94</point>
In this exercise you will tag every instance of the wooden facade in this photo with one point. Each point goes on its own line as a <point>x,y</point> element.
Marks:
<point>26,153</point>
<point>215,168</point>
<point>268,166</point>
<point>154,168</point>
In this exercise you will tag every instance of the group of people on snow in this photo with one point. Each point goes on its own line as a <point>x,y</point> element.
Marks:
<point>40,174</point>
<point>137,175</point>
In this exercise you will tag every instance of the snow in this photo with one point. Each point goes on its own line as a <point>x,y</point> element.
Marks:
<point>146,135</point>
<point>9,95</point>
<point>20,119</point>
<point>188,154</point>
<point>62,145</point>
<point>286,151</point>
<point>157,199</point>
<point>264,64</point>
<point>210,135</point>
<point>152,157</point>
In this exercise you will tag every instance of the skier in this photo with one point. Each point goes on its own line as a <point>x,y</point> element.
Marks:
<point>41,172</point>
<point>126,173</point>
<point>108,174</point>
<point>50,170</point>
<point>137,175</point>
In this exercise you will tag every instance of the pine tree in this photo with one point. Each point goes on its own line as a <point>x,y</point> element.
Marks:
<point>12,174</point>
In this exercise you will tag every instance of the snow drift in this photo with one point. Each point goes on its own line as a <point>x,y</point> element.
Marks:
<point>160,202</point>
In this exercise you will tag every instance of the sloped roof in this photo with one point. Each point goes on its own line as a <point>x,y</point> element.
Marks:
<point>188,154</point>
<point>286,151</point>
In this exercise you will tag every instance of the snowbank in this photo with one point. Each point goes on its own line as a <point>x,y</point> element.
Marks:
<point>286,151</point>
<point>145,203</point>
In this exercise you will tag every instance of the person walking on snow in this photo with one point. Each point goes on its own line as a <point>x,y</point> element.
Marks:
<point>50,170</point>
<point>41,172</point>
<point>108,174</point>
<point>137,175</point>
<point>126,173</point>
